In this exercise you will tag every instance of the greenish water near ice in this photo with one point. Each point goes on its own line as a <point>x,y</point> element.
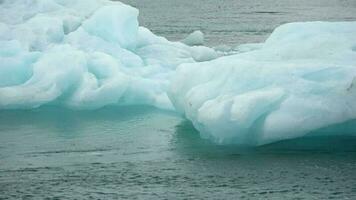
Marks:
<point>143,153</point>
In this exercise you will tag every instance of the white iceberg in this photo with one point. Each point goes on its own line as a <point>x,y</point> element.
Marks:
<point>194,39</point>
<point>85,55</point>
<point>303,78</point>
<point>89,54</point>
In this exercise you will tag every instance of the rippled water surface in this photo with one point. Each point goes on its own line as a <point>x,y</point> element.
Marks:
<point>235,22</point>
<point>141,152</point>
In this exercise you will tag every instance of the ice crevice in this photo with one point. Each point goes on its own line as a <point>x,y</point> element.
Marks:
<point>90,54</point>
<point>352,85</point>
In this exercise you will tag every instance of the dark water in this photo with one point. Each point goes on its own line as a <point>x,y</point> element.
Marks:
<point>144,153</point>
<point>235,22</point>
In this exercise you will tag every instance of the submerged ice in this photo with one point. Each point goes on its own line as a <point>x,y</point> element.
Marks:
<point>89,54</point>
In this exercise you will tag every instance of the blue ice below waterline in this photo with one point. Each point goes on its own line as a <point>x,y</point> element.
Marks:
<point>86,55</point>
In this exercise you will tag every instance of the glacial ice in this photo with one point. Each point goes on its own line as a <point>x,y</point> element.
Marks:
<point>84,55</point>
<point>195,38</point>
<point>93,53</point>
<point>300,80</point>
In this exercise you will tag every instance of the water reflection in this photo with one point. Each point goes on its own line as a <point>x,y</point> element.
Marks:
<point>141,152</point>
<point>188,142</point>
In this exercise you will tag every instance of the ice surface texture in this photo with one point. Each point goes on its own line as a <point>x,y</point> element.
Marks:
<point>195,38</point>
<point>84,55</point>
<point>92,53</point>
<point>302,79</point>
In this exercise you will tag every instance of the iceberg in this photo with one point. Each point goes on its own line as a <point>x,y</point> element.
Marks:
<point>301,80</point>
<point>84,55</point>
<point>195,38</point>
<point>89,54</point>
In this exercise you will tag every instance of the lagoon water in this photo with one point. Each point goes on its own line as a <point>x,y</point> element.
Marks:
<point>233,22</point>
<point>140,152</point>
<point>144,153</point>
